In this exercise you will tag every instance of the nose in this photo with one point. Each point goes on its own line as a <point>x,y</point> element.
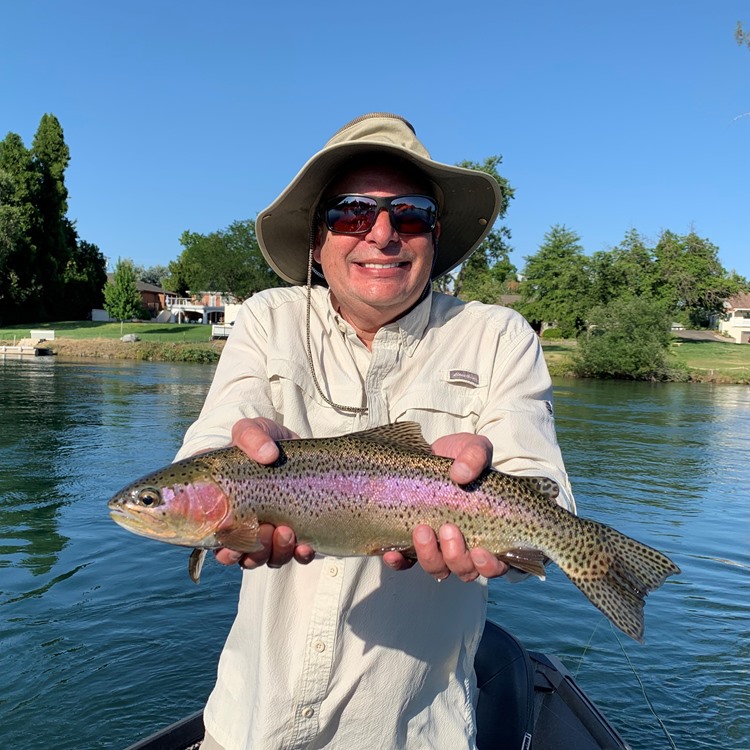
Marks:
<point>382,232</point>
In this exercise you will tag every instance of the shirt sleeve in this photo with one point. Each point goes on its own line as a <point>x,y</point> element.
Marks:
<point>518,417</point>
<point>240,386</point>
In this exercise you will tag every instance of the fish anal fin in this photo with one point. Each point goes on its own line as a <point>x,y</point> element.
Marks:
<point>242,538</point>
<point>527,560</point>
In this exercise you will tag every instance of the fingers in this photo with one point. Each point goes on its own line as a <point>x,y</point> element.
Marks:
<point>278,548</point>
<point>472,454</point>
<point>447,553</point>
<point>257,437</point>
<point>397,561</point>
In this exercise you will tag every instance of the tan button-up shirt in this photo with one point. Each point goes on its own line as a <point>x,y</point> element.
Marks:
<point>345,653</point>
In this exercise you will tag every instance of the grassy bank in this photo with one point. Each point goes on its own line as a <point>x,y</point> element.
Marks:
<point>707,361</point>
<point>159,342</point>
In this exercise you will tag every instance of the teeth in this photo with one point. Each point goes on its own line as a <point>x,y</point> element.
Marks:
<point>381,265</point>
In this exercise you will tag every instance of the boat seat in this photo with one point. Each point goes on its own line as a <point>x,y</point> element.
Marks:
<point>505,679</point>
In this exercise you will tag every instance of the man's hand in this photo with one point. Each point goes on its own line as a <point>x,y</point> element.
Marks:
<point>447,553</point>
<point>257,437</point>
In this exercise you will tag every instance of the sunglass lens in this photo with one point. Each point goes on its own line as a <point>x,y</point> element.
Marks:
<point>351,215</point>
<point>413,214</point>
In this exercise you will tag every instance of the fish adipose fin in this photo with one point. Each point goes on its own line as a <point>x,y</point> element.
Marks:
<point>618,581</point>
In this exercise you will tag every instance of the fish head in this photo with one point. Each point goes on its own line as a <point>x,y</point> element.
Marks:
<point>180,504</point>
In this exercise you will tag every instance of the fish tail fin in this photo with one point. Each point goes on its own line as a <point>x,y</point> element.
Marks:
<point>618,577</point>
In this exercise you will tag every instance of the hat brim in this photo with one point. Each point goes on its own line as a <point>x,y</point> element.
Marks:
<point>469,203</point>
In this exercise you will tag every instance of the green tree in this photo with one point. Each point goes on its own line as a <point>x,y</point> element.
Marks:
<point>54,242</point>
<point>121,298</point>
<point>485,274</point>
<point>176,280</point>
<point>555,287</point>
<point>627,270</point>
<point>85,276</point>
<point>20,286</point>
<point>153,274</point>
<point>629,339</point>
<point>690,278</point>
<point>228,261</point>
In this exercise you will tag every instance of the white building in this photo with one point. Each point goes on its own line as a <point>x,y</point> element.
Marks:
<point>735,323</point>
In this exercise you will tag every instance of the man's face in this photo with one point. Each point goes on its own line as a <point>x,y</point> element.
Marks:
<point>377,276</point>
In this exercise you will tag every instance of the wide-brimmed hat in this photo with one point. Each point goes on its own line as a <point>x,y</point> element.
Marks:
<point>469,200</point>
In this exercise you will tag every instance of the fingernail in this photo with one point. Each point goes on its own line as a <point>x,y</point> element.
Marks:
<point>423,534</point>
<point>461,472</point>
<point>449,533</point>
<point>267,453</point>
<point>479,558</point>
<point>286,536</point>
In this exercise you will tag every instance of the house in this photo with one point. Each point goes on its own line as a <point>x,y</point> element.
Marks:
<point>735,322</point>
<point>204,307</point>
<point>152,296</point>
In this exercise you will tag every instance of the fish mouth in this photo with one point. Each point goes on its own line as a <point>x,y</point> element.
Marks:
<point>140,524</point>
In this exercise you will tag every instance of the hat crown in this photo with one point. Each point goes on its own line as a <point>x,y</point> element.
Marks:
<point>381,129</point>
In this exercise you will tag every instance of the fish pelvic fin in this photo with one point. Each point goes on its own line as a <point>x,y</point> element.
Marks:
<point>527,560</point>
<point>618,577</point>
<point>195,564</point>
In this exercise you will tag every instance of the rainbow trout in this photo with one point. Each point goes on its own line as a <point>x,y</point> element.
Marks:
<point>363,494</point>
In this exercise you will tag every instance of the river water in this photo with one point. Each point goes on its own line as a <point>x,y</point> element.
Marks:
<point>103,637</point>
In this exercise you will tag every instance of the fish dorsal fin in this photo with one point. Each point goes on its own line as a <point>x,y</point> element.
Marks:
<point>399,434</point>
<point>543,486</point>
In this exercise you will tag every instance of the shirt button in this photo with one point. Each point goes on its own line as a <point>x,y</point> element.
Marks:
<point>333,571</point>
<point>319,646</point>
<point>308,712</point>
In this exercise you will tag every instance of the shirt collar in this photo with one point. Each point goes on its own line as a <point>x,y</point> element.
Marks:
<point>411,326</point>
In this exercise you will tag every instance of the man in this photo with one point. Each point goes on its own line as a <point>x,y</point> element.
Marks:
<point>362,652</point>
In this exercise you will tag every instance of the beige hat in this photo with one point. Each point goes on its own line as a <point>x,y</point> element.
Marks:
<point>469,200</point>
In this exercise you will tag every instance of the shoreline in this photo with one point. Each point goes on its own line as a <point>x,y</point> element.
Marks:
<point>208,352</point>
<point>146,351</point>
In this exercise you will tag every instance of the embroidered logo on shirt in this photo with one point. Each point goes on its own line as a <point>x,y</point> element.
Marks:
<point>465,376</point>
<point>548,404</point>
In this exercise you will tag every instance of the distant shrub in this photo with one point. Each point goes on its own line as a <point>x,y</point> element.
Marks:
<point>552,334</point>
<point>627,339</point>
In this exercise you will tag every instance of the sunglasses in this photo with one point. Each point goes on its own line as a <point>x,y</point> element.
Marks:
<point>356,214</point>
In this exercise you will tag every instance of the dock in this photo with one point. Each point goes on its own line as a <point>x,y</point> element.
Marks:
<point>31,347</point>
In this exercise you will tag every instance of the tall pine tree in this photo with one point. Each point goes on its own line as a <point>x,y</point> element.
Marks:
<point>55,243</point>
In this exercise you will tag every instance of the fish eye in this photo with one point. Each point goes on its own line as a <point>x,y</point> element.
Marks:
<point>148,497</point>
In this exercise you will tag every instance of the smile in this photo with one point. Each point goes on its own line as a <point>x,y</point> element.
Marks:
<point>382,265</point>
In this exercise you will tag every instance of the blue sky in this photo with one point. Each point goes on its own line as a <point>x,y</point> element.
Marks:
<point>609,116</point>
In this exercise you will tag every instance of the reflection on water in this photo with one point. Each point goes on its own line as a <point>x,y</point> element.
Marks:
<point>667,464</point>
<point>93,617</point>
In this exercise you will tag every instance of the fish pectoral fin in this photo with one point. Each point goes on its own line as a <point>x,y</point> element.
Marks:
<point>195,564</point>
<point>527,560</point>
<point>241,538</point>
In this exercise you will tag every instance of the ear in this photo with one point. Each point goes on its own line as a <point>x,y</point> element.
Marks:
<point>317,244</point>
<point>436,233</point>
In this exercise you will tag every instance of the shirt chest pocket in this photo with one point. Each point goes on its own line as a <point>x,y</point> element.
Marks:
<point>299,404</point>
<point>442,405</point>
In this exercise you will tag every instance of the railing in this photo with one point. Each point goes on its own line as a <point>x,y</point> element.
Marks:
<point>208,300</point>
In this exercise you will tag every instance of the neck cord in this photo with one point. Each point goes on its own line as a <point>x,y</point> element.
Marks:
<point>340,407</point>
